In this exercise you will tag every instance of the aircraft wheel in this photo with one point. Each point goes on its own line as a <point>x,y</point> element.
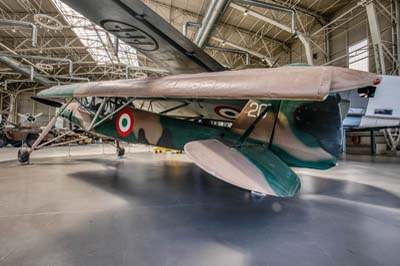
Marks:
<point>120,152</point>
<point>23,156</point>
<point>31,139</point>
<point>3,141</point>
<point>257,196</point>
<point>16,144</point>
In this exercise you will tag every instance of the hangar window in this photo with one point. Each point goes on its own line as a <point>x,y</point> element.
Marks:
<point>359,56</point>
<point>98,42</point>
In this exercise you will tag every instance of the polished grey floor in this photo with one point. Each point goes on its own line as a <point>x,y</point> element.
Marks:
<point>152,209</point>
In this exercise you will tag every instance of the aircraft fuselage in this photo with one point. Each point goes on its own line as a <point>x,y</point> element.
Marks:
<point>302,134</point>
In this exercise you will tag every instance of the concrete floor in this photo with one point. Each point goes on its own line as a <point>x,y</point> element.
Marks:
<point>152,209</point>
<point>10,154</point>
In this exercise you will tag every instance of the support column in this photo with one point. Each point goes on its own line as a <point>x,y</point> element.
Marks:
<point>2,110</point>
<point>344,141</point>
<point>12,108</point>
<point>397,11</point>
<point>376,38</point>
<point>327,46</point>
<point>1,103</point>
<point>214,13</point>
<point>373,142</point>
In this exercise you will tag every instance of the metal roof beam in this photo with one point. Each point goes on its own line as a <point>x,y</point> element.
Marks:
<point>302,38</point>
<point>24,70</point>
<point>244,49</point>
<point>195,15</point>
<point>302,9</point>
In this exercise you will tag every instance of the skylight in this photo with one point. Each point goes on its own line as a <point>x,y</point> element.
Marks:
<point>99,43</point>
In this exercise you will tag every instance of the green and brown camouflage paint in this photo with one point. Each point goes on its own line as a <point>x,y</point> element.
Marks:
<point>304,134</point>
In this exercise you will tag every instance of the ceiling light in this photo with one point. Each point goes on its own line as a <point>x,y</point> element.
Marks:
<point>245,12</point>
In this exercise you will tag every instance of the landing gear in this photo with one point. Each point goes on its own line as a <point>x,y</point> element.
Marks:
<point>120,150</point>
<point>23,156</point>
<point>257,196</point>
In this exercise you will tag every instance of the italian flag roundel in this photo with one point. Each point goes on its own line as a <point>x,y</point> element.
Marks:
<point>124,122</point>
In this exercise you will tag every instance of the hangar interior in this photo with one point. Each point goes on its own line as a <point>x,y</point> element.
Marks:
<point>64,47</point>
<point>83,206</point>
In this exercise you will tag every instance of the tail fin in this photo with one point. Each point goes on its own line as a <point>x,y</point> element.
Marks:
<point>294,133</point>
<point>309,134</point>
<point>302,133</point>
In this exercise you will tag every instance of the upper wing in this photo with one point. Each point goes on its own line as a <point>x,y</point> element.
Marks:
<point>291,83</point>
<point>137,25</point>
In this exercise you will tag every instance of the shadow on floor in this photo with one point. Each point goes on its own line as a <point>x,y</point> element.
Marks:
<point>176,214</point>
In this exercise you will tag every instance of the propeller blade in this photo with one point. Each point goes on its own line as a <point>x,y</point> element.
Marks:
<point>38,115</point>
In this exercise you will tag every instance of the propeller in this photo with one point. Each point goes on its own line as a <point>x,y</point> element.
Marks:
<point>30,117</point>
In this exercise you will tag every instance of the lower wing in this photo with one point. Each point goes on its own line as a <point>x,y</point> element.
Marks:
<point>254,168</point>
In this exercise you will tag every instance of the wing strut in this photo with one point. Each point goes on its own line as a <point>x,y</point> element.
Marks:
<point>273,128</point>
<point>253,125</point>
<point>23,154</point>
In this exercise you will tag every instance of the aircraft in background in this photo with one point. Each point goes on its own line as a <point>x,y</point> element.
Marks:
<point>380,112</point>
<point>280,117</point>
<point>377,112</point>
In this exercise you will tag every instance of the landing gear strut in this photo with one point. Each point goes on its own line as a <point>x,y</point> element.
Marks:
<point>120,150</point>
<point>24,153</point>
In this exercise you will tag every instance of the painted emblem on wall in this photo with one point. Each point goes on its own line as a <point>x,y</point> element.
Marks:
<point>125,122</point>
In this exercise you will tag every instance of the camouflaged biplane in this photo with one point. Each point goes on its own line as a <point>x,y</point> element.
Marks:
<point>280,118</point>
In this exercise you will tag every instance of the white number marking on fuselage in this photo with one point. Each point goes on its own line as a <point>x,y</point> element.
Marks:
<point>256,109</point>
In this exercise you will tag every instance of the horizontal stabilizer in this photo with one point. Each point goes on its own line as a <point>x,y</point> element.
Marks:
<point>254,168</point>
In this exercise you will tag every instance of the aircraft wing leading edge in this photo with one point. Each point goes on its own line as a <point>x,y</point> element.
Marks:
<point>290,83</point>
<point>137,25</point>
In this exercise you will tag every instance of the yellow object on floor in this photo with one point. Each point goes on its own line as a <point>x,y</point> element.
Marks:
<point>161,149</point>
